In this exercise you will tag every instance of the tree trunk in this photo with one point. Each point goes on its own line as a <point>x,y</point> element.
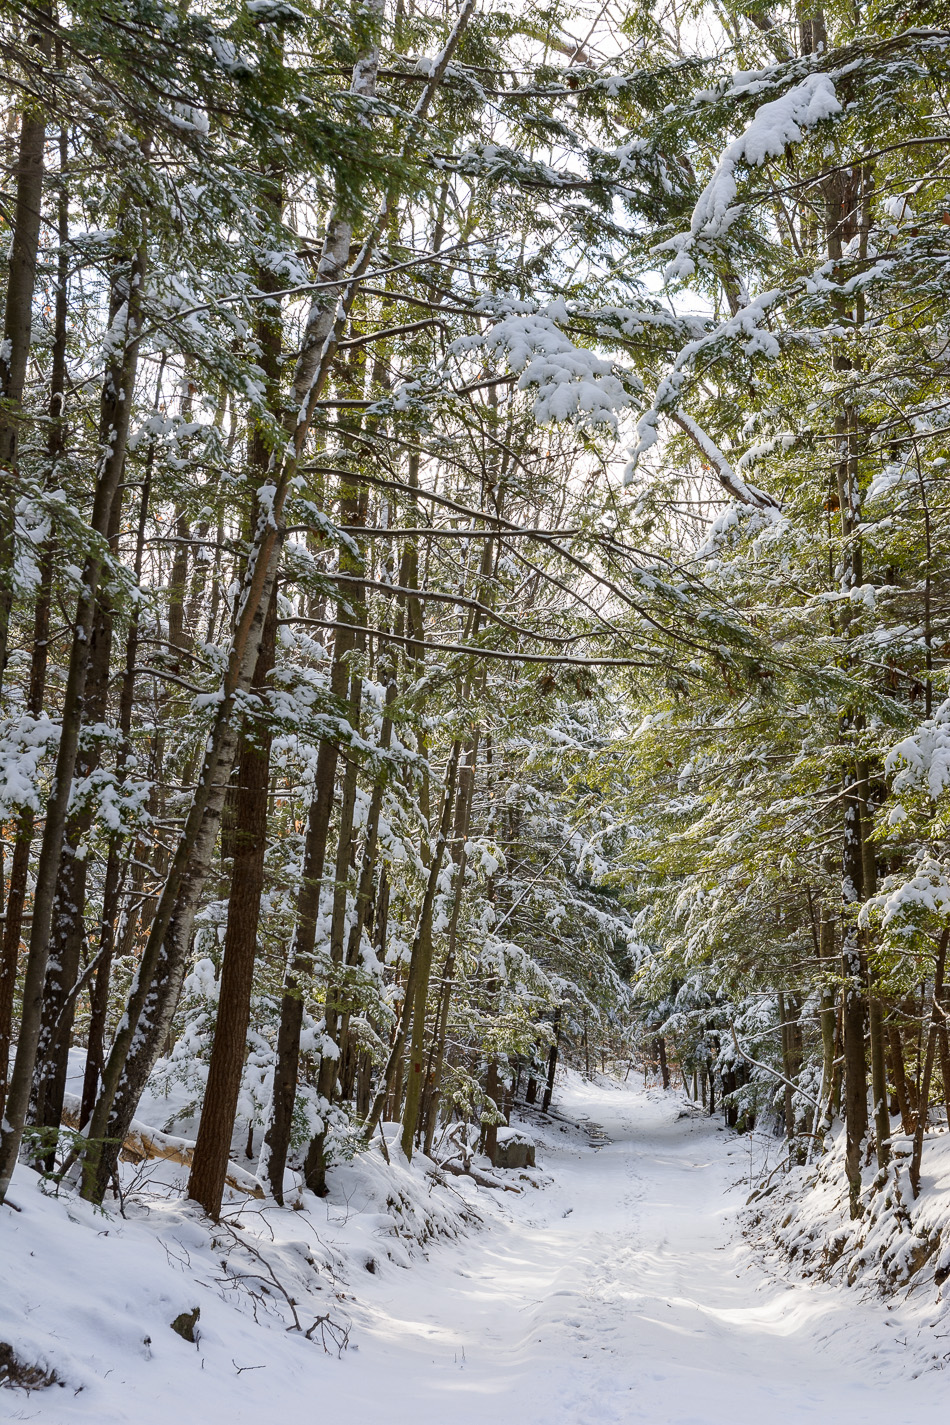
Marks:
<point>19,870</point>
<point>68,929</point>
<point>212,1153</point>
<point>463,816</point>
<point>492,1085</point>
<point>422,955</point>
<point>115,865</point>
<point>899,1076</point>
<point>68,922</point>
<point>789,1108</point>
<point>552,1062</point>
<point>278,1131</point>
<point>876,1031</point>
<point>17,337</point>
<point>936,1019</point>
<point>315,1168</point>
<point>659,1045</point>
<point>855,1082</point>
<point>363,900</point>
<point>277,1134</point>
<point>826,950</point>
<point>116,411</point>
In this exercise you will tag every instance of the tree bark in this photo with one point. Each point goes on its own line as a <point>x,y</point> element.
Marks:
<point>552,1062</point>
<point>315,1167</point>
<point>463,816</point>
<point>659,1045</point>
<point>936,1019</point>
<point>492,1084</point>
<point>115,867</point>
<point>826,950</point>
<point>116,410</point>
<point>899,1076</point>
<point>212,1153</point>
<point>421,962</point>
<point>277,1134</point>
<point>17,337</point>
<point>855,1082</point>
<point>19,870</point>
<point>67,934</point>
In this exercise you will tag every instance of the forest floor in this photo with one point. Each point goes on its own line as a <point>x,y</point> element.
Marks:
<point>621,1290</point>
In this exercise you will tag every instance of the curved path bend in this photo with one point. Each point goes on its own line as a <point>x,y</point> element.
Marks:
<point>624,1293</point>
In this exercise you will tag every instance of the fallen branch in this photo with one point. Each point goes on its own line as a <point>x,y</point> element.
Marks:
<point>482,1179</point>
<point>142,1143</point>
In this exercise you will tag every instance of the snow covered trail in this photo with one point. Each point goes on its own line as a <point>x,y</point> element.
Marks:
<point>621,1292</point>
<point>625,1296</point>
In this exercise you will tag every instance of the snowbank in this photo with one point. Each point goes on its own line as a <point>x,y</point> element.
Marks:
<point>897,1243</point>
<point>90,1297</point>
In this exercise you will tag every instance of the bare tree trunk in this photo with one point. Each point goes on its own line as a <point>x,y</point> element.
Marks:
<point>842,194</point>
<point>420,952</point>
<point>212,1153</point>
<point>115,867</point>
<point>278,1131</point>
<point>315,1168</point>
<point>364,894</point>
<point>855,1082</point>
<point>788,1105</point>
<point>935,1022</point>
<point>876,1031</point>
<point>552,1062</point>
<point>660,1047</point>
<point>19,870</point>
<point>116,410</point>
<point>899,1075</point>
<point>826,951</point>
<point>68,934</point>
<point>492,1085</point>
<point>460,838</point>
<point>422,961</point>
<point>17,336</point>
<point>20,867</point>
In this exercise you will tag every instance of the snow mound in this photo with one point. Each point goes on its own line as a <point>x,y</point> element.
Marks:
<point>898,1243</point>
<point>156,1303</point>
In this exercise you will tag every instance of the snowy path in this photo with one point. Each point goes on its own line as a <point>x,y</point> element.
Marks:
<point>622,1295</point>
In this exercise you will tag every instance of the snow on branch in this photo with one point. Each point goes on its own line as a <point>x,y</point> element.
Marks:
<point>923,759</point>
<point>571,383</point>
<point>775,125</point>
<point>745,327</point>
<point>728,476</point>
<point>903,897</point>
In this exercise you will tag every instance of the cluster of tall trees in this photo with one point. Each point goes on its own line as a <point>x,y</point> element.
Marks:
<point>471,567</point>
<point>296,598</point>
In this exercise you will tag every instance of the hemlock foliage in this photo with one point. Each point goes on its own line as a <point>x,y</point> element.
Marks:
<point>472,570</point>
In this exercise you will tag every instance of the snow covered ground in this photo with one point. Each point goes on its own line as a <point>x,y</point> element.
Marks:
<point>620,1291</point>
